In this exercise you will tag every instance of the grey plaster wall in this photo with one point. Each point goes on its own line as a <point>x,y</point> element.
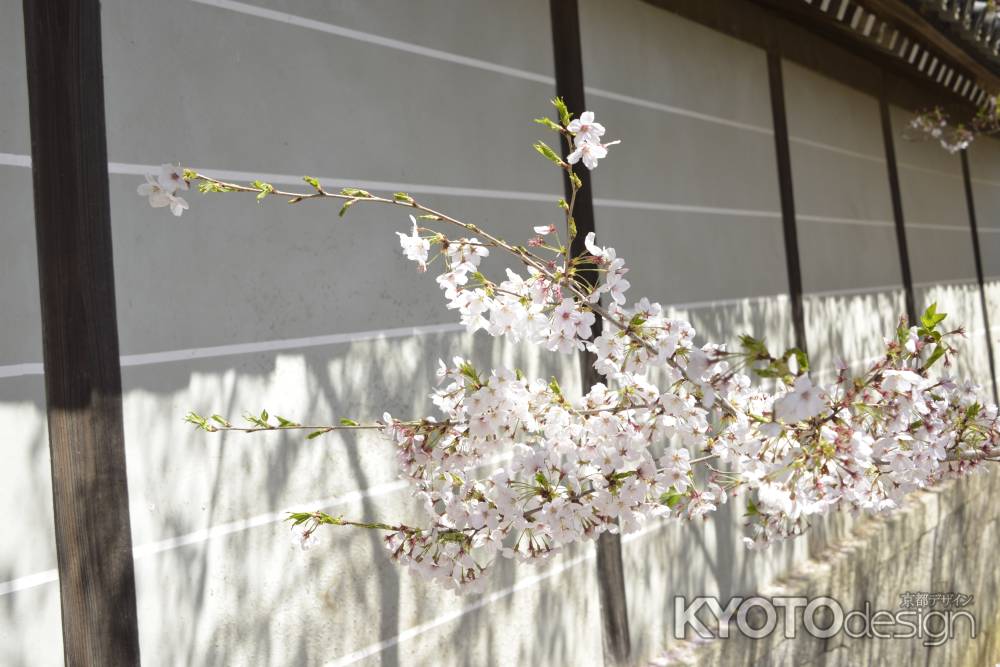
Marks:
<point>238,306</point>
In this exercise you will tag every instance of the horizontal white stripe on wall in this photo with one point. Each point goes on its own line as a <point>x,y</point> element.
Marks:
<point>527,582</point>
<point>488,66</point>
<point>206,534</point>
<point>214,352</point>
<point>127,169</point>
<point>836,149</point>
<point>478,63</point>
<point>217,351</point>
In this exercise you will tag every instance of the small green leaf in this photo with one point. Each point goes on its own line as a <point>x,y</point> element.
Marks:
<point>315,434</point>
<point>347,204</point>
<point>265,189</point>
<point>345,421</point>
<point>403,198</point>
<point>549,154</point>
<point>313,182</point>
<point>671,498</point>
<point>547,122</point>
<point>564,115</point>
<point>199,421</point>
<point>931,318</point>
<point>207,187</point>
<point>938,352</point>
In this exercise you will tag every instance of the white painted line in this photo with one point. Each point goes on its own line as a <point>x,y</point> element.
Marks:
<point>677,111</point>
<point>928,170</point>
<point>378,40</point>
<point>854,291</point>
<point>121,168</point>
<point>447,56</point>
<point>871,158</point>
<point>28,581</point>
<point>983,181</point>
<point>836,149</point>
<point>129,169</point>
<point>720,303</point>
<point>946,283</point>
<point>826,219</point>
<point>939,227</point>
<point>215,352</point>
<point>890,288</point>
<point>19,370</point>
<point>685,208</point>
<point>221,530</point>
<point>527,582</point>
<point>417,630</point>
<point>15,160</point>
<point>879,223</point>
<point>288,344</point>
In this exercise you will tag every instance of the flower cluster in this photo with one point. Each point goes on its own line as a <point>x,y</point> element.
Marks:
<point>162,190</point>
<point>587,144</point>
<point>674,430</point>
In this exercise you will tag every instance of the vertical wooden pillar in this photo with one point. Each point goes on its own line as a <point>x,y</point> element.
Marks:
<point>897,205</point>
<point>569,86</point>
<point>978,257</point>
<point>783,155</point>
<point>79,332</point>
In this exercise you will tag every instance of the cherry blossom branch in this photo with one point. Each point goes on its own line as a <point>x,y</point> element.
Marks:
<point>576,467</point>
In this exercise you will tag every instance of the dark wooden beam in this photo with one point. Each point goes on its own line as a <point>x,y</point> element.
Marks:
<point>903,15</point>
<point>787,29</point>
<point>79,332</point>
<point>897,208</point>
<point>786,193</point>
<point>978,259</point>
<point>569,86</point>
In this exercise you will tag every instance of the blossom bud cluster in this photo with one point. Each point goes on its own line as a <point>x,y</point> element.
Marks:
<point>934,125</point>
<point>675,430</point>
<point>513,467</point>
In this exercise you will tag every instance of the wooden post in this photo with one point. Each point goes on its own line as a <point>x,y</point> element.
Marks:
<point>897,204</point>
<point>783,154</point>
<point>569,86</point>
<point>978,259</point>
<point>79,332</point>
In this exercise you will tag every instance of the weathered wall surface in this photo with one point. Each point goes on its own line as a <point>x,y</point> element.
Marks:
<point>941,541</point>
<point>240,307</point>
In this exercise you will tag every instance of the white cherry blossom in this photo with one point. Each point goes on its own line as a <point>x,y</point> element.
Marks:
<point>585,129</point>
<point>415,247</point>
